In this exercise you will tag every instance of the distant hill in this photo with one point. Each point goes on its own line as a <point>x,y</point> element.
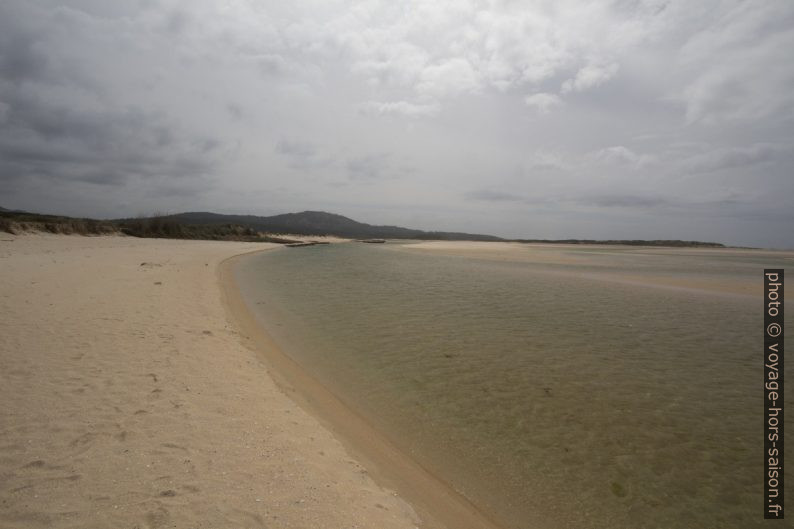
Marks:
<point>322,223</point>
<point>6,210</point>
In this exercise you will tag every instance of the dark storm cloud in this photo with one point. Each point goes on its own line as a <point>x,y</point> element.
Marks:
<point>53,127</point>
<point>98,145</point>
<point>20,58</point>
<point>26,45</point>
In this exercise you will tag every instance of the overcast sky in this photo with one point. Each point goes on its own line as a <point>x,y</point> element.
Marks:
<point>542,119</point>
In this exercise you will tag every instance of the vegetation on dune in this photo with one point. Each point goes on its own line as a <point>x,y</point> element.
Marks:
<point>169,228</point>
<point>20,222</point>
<point>16,222</point>
<point>6,225</point>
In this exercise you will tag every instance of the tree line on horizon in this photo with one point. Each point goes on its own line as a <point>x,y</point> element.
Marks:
<point>215,226</point>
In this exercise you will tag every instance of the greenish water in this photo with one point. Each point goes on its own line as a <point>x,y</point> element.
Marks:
<point>546,396</point>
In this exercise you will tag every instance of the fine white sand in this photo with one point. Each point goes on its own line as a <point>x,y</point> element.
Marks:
<point>128,399</point>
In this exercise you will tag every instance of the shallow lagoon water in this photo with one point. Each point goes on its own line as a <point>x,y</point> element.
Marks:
<point>548,396</point>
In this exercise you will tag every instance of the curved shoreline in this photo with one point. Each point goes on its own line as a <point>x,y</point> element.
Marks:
<point>438,504</point>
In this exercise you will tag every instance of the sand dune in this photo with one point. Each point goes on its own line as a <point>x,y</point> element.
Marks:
<point>129,400</point>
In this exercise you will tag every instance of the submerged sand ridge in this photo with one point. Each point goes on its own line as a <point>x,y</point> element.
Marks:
<point>640,266</point>
<point>129,400</point>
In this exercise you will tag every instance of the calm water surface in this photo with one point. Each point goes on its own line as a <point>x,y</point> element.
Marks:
<point>550,398</point>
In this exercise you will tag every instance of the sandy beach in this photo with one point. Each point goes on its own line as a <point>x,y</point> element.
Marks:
<point>129,399</point>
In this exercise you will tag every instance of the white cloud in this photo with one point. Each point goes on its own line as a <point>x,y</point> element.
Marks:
<point>402,108</point>
<point>620,155</point>
<point>543,102</point>
<point>401,63</point>
<point>449,78</point>
<point>448,48</point>
<point>549,160</point>
<point>590,76</point>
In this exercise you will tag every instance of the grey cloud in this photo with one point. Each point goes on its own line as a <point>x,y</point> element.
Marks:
<point>625,201</point>
<point>32,51</point>
<point>177,21</point>
<point>371,167</point>
<point>21,58</point>
<point>101,146</point>
<point>272,64</point>
<point>493,196</point>
<point>173,189</point>
<point>55,128</point>
<point>300,149</point>
<point>737,63</point>
<point>302,154</point>
<point>732,158</point>
<point>235,111</point>
<point>601,201</point>
<point>604,120</point>
<point>205,145</point>
<point>109,10</point>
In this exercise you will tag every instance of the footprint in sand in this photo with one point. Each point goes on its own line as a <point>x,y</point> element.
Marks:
<point>158,518</point>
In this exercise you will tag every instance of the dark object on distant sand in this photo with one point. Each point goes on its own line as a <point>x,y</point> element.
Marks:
<point>627,242</point>
<point>305,243</point>
<point>372,241</point>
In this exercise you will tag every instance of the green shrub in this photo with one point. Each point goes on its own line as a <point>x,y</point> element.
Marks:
<point>7,225</point>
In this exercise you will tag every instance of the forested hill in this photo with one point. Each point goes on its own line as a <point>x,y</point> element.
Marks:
<point>322,223</point>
